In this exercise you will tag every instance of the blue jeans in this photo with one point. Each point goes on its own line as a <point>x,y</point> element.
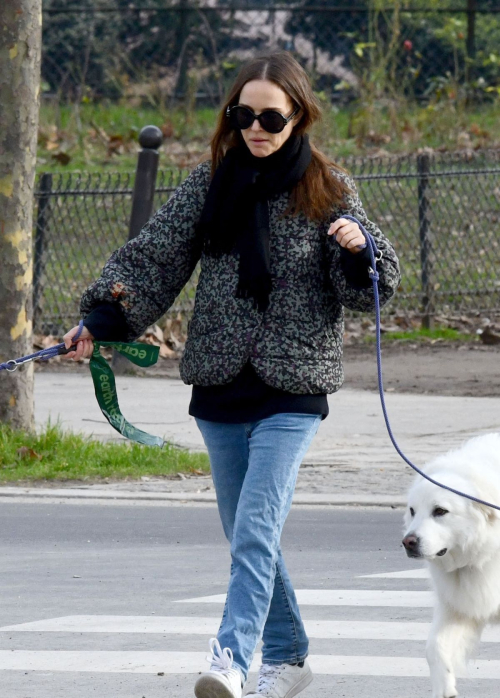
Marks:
<point>254,469</point>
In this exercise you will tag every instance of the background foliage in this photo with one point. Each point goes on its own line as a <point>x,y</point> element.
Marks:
<point>155,50</point>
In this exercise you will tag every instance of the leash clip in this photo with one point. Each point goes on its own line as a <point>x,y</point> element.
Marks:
<point>372,273</point>
<point>14,364</point>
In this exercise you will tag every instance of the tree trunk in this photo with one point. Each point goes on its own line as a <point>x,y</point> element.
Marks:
<point>20,46</point>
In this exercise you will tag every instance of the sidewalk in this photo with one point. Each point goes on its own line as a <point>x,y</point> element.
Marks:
<point>351,460</point>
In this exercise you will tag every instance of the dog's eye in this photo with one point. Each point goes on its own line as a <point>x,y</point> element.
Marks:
<point>412,512</point>
<point>439,511</point>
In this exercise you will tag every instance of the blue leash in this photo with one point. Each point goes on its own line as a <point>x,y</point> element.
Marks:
<point>376,255</point>
<point>42,355</point>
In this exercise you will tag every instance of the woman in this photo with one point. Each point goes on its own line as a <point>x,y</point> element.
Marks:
<point>264,345</point>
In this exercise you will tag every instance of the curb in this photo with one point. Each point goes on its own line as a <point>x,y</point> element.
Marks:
<point>300,499</point>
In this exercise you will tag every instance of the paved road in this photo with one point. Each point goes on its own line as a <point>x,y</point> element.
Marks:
<point>120,599</point>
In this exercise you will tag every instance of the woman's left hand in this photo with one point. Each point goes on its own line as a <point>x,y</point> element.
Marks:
<point>347,234</point>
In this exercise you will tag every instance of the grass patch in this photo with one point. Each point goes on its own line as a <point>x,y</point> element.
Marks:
<point>56,455</point>
<point>424,335</point>
<point>103,136</point>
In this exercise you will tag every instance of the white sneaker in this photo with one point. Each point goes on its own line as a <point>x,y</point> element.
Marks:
<point>282,680</point>
<point>222,681</point>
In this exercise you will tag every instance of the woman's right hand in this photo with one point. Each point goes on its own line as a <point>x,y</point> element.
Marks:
<point>84,344</point>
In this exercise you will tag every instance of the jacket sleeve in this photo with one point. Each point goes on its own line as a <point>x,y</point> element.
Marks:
<point>147,274</point>
<point>106,323</point>
<point>348,272</point>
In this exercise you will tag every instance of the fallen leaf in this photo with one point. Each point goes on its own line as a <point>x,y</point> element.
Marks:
<point>488,336</point>
<point>167,129</point>
<point>62,158</point>
<point>26,452</point>
<point>166,352</point>
<point>115,144</point>
<point>154,331</point>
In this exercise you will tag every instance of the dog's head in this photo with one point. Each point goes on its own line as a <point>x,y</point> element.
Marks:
<point>443,526</point>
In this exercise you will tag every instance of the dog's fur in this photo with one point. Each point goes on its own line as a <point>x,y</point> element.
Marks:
<point>466,577</point>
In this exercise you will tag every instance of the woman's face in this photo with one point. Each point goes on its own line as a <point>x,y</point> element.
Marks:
<point>259,95</point>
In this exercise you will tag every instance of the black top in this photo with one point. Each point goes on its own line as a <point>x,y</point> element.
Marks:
<point>246,398</point>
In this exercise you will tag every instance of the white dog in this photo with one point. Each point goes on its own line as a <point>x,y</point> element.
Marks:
<point>460,541</point>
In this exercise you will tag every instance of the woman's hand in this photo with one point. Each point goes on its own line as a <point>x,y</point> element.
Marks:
<point>347,234</point>
<point>84,344</point>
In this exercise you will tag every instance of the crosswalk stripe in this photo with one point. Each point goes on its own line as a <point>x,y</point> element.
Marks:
<point>181,625</point>
<point>419,573</point>
<point>184,625</point>
<point>346,597</point>
<point>194,662</point>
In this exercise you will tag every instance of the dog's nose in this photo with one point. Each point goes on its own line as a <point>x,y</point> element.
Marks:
<point>411,543</point>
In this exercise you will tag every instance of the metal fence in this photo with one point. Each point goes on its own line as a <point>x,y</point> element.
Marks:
<point>191,49</point>
<point>441,211</point>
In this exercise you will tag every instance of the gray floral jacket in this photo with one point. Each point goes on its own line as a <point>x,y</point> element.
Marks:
<point>296,344</point>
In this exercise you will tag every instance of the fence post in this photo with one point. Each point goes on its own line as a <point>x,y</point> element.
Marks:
<point>471,39</point>
<point>181,86</point>
<point>150,139</point>
<point>423,168</point>
<point>42,220</point>
<point>471,28</point>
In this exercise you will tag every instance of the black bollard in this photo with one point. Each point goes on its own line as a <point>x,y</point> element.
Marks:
<point>150,139</point>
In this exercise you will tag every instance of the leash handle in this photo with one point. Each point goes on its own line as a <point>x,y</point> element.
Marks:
<point>375,256</point>
<point>43,354</point>
<point>62,350</point>
<point>105,387</point>
<point>103,379</point>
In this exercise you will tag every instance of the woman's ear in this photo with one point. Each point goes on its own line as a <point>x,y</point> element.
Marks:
<point>297,118</point>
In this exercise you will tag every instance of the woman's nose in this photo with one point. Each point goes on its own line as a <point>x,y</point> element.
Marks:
<point>255,126</point>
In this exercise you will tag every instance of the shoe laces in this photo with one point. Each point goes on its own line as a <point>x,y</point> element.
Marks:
<point>268,673</point>
<point>220,659</point>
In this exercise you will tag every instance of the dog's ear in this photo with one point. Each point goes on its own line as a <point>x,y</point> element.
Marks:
<point>491,515</point>
<point>487,494</point>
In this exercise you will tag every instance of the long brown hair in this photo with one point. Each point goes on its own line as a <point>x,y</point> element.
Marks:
<point>318,190</point>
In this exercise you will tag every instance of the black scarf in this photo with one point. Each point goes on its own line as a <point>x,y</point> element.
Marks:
<point>236,213</point>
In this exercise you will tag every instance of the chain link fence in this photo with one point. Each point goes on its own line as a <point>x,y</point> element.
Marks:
<point>441,211</point>
<point>191,50</point>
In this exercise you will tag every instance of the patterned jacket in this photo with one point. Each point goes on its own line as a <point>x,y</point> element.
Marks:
<point>296,344</point>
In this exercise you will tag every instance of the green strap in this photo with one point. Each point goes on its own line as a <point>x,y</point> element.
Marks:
<point>105,387</point>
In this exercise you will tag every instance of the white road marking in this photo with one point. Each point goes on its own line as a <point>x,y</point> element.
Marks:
<point>194,662</point>
<point>418,573</point>
<point>346,597</point>
<point>182,625</point>
<point>185,625</point>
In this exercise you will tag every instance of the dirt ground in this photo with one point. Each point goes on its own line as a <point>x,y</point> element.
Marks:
<point>468,369</point>
<point>456,369</point>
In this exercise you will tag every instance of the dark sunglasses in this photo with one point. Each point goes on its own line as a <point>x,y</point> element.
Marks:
<point>271,121</point>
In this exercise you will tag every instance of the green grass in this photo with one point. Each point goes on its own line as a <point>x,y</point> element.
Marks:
<point>103,136</point>
<point>425,335</point>
<point>56,455</point>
